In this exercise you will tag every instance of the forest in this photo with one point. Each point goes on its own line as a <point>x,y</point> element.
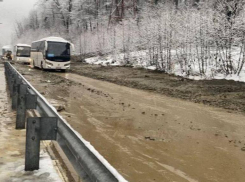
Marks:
<point>191,37</point>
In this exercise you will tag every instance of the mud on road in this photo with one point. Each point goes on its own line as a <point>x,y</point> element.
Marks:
<point>219,93</point>
<point>147,136</point>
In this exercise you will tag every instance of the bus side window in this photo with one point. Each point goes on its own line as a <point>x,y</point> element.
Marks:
<point>38,46</point>
<point>42,47</point>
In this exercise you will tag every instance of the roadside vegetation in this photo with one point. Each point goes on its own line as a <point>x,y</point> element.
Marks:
<point>203,38</point>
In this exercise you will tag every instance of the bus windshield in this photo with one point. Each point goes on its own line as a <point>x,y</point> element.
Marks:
<point>58,51</point>
<point>23,51</point>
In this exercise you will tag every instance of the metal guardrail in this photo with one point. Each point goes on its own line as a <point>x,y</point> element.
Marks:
<point>85,159</point>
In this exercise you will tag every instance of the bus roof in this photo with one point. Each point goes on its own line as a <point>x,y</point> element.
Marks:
<point>53,39</point>
<point>23,45</point>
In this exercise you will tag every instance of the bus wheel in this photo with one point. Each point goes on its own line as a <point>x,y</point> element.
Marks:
<point>42,66</point>
<point>34,66</point>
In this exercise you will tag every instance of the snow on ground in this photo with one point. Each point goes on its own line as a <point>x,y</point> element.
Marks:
<point>14,171</point>
<point>139,59</point>
<point>136,59</point>
<point>210,75</point>
<point>12,147</point>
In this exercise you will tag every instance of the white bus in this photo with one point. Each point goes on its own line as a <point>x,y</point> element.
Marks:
<point>51,53</point>
<point>22,53</point>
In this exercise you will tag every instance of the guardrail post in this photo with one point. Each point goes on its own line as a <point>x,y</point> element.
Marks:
<point>38,129</point>
<point>21,106</point>
<point>17,82</point>
<point>24,101</point>
<point>6,68</point>
<point>11,85</point>
<point>32,144</point>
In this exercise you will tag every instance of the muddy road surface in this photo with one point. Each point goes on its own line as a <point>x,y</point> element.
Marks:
<point>147,136</point>
<point>219,93</point>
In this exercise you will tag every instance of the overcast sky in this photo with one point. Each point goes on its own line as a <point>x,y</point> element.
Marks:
<point>10,11</point>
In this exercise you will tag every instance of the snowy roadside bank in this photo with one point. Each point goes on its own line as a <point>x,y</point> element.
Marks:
<point>139,59</point>
<point>12,147</point>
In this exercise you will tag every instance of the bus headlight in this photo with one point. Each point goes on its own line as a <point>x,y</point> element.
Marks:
<point>67,64</point>
<point>49,64</point>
